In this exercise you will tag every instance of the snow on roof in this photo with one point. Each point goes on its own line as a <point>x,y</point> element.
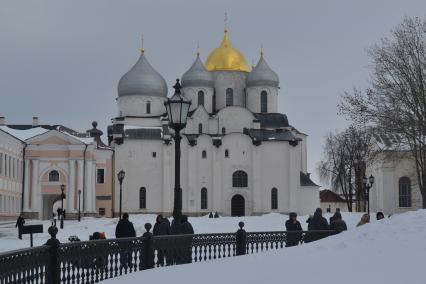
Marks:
<point>24,134</point>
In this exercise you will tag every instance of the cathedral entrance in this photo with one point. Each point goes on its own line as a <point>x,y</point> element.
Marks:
<point>237,205</point>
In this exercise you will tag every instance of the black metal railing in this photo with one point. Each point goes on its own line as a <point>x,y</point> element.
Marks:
<point>94,261</point>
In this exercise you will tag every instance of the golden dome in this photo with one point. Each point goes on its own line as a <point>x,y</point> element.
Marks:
<point>226,58</point>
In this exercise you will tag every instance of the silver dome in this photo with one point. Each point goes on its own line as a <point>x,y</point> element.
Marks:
<point>142,79</point>
<point>262,75</point>
<point>197,75</point>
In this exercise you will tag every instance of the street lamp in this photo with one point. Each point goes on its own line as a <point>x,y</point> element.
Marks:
<point>79,195</point>
<point>177,110</point>
<point>368,183</point>
<point>120,177</point>
<point>62,205</point>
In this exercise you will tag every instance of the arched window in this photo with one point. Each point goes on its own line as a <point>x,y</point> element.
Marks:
<point>53,176</point>
<point>204,198</point>
<point>201,98</point>
<point>239,179</point>
<point>204,154</point>
<point>223,130</point>
<point>200,128</point>
<point>229,97</point>
<point>274,198</point>
<point>226,153</point>
<point>404,192</point>
<point>142,198</point>
<point>148,107</point>
<point>263,101</point>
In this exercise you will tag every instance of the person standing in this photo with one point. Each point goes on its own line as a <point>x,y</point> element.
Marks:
<point>20,224</point>
<point>59,211</point>
<point>292,226</point>
<point>337,224</point>
<point>125,229</point>
<point>317,223</point>
<point>186,229</point>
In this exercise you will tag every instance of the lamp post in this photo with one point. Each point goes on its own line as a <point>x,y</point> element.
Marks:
<point>177,110</point>
<point>368,183</point>
<point>62,205</point>
<point>120,177</point>
<point>79,195</point>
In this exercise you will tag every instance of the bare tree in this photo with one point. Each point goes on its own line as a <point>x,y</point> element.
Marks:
<point>346,154</point>
<point>395,103</point>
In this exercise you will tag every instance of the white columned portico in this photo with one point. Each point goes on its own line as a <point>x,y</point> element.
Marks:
<point>80,178</point>
<point>70,191</point>
<point>88,187</point>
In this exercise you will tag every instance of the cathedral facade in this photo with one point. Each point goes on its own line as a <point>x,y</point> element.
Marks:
<point>239,156</point>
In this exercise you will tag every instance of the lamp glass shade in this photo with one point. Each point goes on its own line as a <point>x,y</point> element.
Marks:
<point>62,187</point>
<point>177,109</point>
<point>371,179</point>
<point>121,175</point>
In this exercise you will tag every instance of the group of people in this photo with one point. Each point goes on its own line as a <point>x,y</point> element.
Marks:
<point>365,219</point>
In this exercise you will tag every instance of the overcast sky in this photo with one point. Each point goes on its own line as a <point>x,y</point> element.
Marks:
<point>61,60</point>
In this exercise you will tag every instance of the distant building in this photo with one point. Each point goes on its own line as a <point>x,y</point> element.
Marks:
<point>42,158</point>
<point>330,201</point>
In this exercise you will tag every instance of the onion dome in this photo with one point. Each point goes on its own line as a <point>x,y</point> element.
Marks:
<point>226,58</point>
<point>262,75</point>
<point>142,80</point>
<point>197,75</point>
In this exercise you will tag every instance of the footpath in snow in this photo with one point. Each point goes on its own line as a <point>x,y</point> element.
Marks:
<point>269,222</point>
<point>390,251</point>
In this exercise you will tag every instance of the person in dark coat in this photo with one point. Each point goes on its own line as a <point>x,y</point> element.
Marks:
<point>380,216</point>
<point>59,211</point>
<point>125,229</point>
<point>175,227</point>
<point>331,218</point>
<point>292,225</point>
<point>162,228</point>
<point>20,224</point>
<point>317,222</point>
<point>337,224</point>
<point>157,224</point>
<point>186,229</point>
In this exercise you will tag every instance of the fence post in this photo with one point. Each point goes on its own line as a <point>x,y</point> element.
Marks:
<point>148,248</point>
<point>241,240</point>
<point>53,269</point>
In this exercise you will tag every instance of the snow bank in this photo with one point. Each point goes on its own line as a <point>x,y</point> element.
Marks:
<point>387,251</point>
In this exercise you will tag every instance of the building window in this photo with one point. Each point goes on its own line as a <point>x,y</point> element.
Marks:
<point>223,130</point>
<point>53,176</point>
<point>200,128</point>
<point>148,107</point>
<point>201,98</point>
<point>229,97</point>
<point>101,211</point>
<point>263,101</point>
<point>274,198</point>
<point>204,198</point>
<point>142,198</point>
<point>239,179</point>
<point>204,154</point>
<point>404,192</point>
<point>154,154</point>
<point>226,153</point>
<point>100,175</point>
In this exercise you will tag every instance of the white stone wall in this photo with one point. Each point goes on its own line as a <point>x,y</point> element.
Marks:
<point>253,99</point>
<point>135,105</point>
<point>11,166</point>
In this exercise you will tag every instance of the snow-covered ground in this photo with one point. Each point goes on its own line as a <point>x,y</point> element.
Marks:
<point>270,222</point>
<point>383,252</point>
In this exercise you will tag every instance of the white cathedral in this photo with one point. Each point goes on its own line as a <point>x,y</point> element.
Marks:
<point>239,156</point>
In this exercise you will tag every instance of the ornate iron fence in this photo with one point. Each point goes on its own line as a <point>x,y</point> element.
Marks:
<point>94,261</point>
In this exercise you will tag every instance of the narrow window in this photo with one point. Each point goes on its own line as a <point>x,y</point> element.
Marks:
<point>148,107</point>
<point>204,154</point>
<point>100,175</point>
<point>239,179</point>
<point>142,198</point>
<point>154,154</point>
<point>223,130</point>
<point>263,101</point>
<point>229,97</point>
<point>101,211</point>
<point>201,98</point>
<point>200,128</point>
<point>226,153</point>
<point>204,198</point>
<point>53,176</point>
<point>274,198</point>
<point>404,192</point>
